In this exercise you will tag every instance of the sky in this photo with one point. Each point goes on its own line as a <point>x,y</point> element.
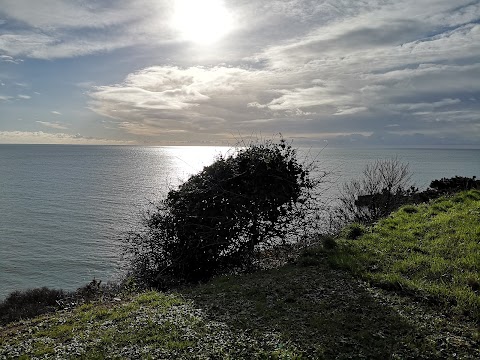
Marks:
<point>174,72</point>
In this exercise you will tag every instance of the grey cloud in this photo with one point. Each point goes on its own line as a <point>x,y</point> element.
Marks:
<point>45,46</point>
<point>426,106</point>
<point>386,81</point>
<point>394,139</point>
<point>54,14</point>
<point>60,29</point>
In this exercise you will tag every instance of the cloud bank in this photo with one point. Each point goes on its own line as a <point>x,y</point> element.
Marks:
<point>412,65</point>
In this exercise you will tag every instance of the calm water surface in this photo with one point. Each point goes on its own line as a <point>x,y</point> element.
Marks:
<point>64,208</point>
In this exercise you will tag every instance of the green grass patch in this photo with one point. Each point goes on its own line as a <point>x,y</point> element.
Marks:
<point>431,251</point>
<point>316,312</point>
<point>148,325</point>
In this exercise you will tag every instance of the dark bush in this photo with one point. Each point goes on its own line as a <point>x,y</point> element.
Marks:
<point>455,184</point>
<point>29,303</point>
<point>446,186</point>
<point>21,305</point>
<point>220,218</point>
<point>92,291</point>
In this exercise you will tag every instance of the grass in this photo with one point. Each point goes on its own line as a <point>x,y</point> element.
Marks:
<point>423,261</point>
<point>317,312</point>
<point>146,325</point>
<point>431,251</point>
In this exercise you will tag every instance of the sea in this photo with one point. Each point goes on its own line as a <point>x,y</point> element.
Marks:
<point>64,209</point>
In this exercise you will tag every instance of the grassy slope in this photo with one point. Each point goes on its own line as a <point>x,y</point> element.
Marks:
<point>309,309</point>
<point>431,251</point>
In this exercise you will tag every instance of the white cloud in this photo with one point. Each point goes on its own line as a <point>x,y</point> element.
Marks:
<point>24,97</point>
<point>56,112</point>
<point>171,99</point>
<point>9,59</point>
<point>350,110</point>
<point>305,98</point>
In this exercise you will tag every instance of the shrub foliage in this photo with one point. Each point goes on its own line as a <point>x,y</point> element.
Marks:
<point>219,218</point>
<point>384,186</point>
<point>447,186</point>
<point>29,303</point>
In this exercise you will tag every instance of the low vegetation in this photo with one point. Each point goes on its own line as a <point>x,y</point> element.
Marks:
<point>430,251</point>
<point>383,187</point>
<point>221,218</point>
<point>149,325</point>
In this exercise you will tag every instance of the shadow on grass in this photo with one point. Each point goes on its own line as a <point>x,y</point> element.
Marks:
<point>319,312</point>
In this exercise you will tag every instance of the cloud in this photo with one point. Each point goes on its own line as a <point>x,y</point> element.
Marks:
<point>393,139</point>
<point>9,59</point>
<point>40,137</point>
<point>44,46</point>
<point>172,99</point>
<point>225,100</point>
<point>56,112</point>
<point>61,29</point>
<point>382,66</point>
<point>350,110</point>
<point>24,97</point>
<point>315,68</point>
<point>426,106</point>
<point>52,125</point>
<point>51,14</point>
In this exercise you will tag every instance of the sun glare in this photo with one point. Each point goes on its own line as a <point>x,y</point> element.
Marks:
<point>201,21</point>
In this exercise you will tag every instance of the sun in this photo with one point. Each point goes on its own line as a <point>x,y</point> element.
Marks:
<point>201,21</point>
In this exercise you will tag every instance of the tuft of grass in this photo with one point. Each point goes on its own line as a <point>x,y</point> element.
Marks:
<point>354,231</point>
<point>431,251</point>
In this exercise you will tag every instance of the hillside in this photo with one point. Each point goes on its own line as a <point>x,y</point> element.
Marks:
<point>406,288</point>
